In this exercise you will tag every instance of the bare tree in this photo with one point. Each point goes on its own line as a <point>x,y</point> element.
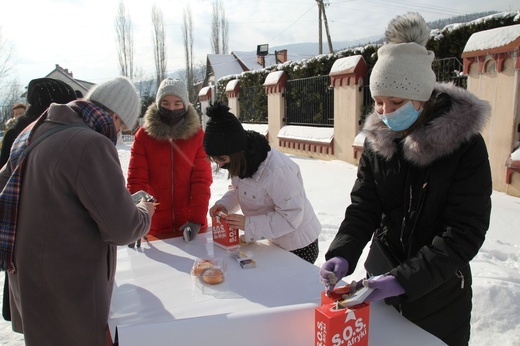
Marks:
<point>10,95</point>
<point>199,72</point>
<point>144,85</point>
<point>159,44</point>
<point>125,41</point>
<point>219,29</point>
<point>215,30</point>
<point>187,31</point>
<point>6,51</point>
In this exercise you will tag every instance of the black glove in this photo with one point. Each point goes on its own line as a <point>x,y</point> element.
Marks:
<point>137,243</point>
<point>190,230</point>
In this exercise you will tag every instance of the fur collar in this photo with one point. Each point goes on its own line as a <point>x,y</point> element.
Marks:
<point>159,130</point>
<point>443,134</point>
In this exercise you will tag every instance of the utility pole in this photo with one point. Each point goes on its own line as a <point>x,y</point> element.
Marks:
<point>320,44</point>
<point>321,12</point>
<point>326,28</point>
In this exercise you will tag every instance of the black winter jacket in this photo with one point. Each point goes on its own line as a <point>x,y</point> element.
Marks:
<point>431,192</point>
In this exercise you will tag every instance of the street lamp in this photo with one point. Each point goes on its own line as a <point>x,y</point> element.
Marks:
<point>262,50</point>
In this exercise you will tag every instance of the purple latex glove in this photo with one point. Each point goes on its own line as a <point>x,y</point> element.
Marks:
<point>332,271</point>
<point>384,287</point>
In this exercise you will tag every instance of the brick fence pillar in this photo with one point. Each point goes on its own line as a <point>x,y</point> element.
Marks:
<point>347,79</point>
<point>274,86</point>
<point>232,91</point>
<point>493,69</point>
<point>205,99</point>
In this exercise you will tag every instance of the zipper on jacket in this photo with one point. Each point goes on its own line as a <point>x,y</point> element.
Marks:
<point>422,195</point>
<point>172,148</point>
<point>461,277</point>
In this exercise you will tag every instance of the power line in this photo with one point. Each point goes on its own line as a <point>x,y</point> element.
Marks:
<point>293,22</point>
<point>411,6</point>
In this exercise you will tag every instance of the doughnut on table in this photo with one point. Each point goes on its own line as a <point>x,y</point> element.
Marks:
<point>156,301</point>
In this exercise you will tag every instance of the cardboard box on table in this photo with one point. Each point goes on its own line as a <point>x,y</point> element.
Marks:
<point>224,236</point>
<point>338,327</point>
<point>341,327</point>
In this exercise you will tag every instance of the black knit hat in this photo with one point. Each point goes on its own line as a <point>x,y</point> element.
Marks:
<point>224,133</point>
<point>42,92</point>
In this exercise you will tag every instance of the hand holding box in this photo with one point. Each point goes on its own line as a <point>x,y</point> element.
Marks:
<point>224,236</point>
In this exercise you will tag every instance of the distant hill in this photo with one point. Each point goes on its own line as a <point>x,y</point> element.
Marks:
<point>441,23</point>
<point>311,48</point>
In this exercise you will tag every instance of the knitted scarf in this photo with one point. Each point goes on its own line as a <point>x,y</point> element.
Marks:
<point>97,118</point>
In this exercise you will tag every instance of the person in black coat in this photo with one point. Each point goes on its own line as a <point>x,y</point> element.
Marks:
<point>423,187</point>
<point>41,93</point>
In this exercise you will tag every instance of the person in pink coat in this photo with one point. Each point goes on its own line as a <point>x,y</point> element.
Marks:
<point>168,161</point>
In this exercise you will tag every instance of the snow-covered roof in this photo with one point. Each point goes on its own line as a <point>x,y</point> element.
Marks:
<point>515,155</point>
<point>250,59</point>
<point>345,64</point>
<point>309,133</point>
<point>260,128</point>
<point>493,38</point>
<point>204,91</point>
<point>231,85</point>
<point>236,63</point>
<point>360,139</point>
<point>273,77</point>
<point>224,65</point>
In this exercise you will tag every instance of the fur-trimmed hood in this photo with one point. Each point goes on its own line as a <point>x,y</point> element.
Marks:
<point>161,131</point>
<point>437,138</point>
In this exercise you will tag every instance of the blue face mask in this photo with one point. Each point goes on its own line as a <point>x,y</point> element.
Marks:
<point>402,118</point>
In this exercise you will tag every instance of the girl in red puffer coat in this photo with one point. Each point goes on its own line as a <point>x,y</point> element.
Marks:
<point>168,161</point>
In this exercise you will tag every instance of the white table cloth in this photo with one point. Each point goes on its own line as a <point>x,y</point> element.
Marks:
<point>156,302</point>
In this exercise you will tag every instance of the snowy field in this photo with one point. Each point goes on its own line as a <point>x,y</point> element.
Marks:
<point>496,268</point>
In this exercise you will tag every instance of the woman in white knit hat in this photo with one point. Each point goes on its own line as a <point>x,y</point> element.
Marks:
<point>423,189</point>
<point>169,162</point>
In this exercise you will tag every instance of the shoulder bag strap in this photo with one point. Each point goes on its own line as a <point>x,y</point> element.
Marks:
<point>45,135</point>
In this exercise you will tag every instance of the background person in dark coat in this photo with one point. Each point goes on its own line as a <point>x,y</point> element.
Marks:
<point>424,180</point>
<point>41,93</point>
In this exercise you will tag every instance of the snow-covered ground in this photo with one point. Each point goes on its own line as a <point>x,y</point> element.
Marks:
<point>496,268</point>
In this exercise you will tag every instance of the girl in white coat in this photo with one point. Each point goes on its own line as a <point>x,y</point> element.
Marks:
<point>266,186</point>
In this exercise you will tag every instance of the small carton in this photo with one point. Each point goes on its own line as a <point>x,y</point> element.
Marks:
<point>335,325</point>
<point>245,261</point>
<point>339,293</point>
<point>224,236</point>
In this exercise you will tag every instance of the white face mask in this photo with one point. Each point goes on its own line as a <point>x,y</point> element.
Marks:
<point>402,118</point>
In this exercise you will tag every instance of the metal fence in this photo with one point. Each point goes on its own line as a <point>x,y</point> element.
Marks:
<point>310,101</point>
<point>127,138</point>
<point>450,70</point>
<point>253,105</point>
